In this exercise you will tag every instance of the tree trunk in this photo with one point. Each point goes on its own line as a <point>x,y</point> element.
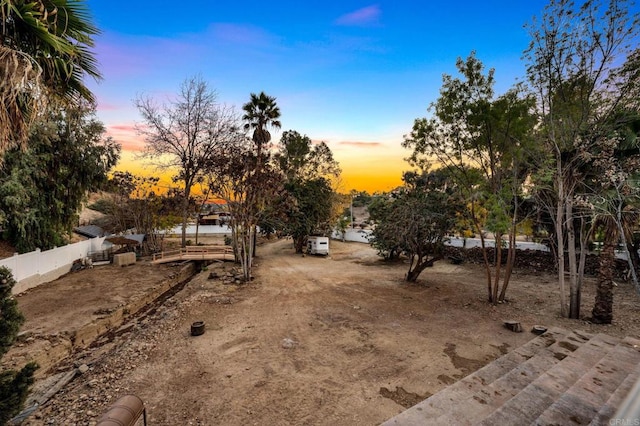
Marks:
<point>298,243</point>
<point>498,252</point>
<point>584,237</point>
<point>574,289</point>
<point>185,211</point>
<point>414,273</point>
<point>602,312</point>
<point>631,260</point>
<point>511,260</point>
<point>632,249</point>
<point>511,255</point>
<point>484,252</point>
<point>560,237</point>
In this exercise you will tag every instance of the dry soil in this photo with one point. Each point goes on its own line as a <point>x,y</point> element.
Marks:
<point>337,340</point>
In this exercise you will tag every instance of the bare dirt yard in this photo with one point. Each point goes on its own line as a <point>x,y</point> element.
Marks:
<point>338,340</point>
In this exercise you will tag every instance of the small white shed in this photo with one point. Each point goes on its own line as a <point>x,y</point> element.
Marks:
<point>318,245</point>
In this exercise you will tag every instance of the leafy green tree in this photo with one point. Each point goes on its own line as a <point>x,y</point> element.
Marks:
<point>419,219</point>
<point>14,385</point>
<point>582,66</point>
<point>188,134</point>
<point>361,199</point>
<point>384,241</point>
<point>299,158</point>
<point>309,210</point>
<point>42,187</point>
<point>45,53</point>
<point>306,205</point>
<point>483,142</point>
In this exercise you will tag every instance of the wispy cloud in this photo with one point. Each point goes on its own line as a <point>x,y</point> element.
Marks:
<point>241,34</point>
<point>126,136</point>
<point>366,16</point>
<point>106,106</point>
<point>356,144</point>
<point>127,128</point>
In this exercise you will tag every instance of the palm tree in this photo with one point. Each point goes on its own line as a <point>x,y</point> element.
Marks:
<point>602,312</point>
<point>261,112</point>
<point>44,55</point>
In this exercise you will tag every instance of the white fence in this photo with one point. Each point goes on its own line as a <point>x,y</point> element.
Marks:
<point>363,235</point>
<point>37,267</point>
<point>203,230</point>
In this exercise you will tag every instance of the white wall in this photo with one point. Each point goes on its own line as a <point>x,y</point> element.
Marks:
<point>38,267</point>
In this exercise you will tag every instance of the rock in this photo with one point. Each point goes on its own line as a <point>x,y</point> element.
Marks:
<point>514,326</point>
<point>288,343</point>
<point>213,275</point>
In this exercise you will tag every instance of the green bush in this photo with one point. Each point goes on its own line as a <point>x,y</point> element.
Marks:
<point>102,205</point>
<point>14,385</point>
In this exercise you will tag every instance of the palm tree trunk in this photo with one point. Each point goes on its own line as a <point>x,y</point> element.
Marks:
<point>602,312</point>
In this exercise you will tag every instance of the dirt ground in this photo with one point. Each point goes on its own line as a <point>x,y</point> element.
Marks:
<point>338,340</point>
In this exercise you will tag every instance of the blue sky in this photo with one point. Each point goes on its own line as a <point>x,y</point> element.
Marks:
<point>354,74</point>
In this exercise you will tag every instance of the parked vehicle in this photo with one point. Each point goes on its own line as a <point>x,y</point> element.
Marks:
<point>318,245</point>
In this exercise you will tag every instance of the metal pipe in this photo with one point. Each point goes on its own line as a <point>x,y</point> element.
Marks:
<point>124,412</point>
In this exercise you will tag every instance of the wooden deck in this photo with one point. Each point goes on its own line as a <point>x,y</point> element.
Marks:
<point>220,253</point>
<point>560,377</point>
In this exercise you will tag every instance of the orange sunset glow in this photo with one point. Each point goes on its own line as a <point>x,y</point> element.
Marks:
<point>366,166</point>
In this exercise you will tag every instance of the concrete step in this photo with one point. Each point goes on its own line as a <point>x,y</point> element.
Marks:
<point>513,371</point>
<point>582,402</point>
<point>544,391</point>
<point>558,378</point>
<point>608,410</point>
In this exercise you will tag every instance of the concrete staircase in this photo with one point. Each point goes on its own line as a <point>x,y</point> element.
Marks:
<point>559,378</point>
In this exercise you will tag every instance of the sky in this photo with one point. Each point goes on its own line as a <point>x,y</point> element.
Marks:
<point>355,74</point>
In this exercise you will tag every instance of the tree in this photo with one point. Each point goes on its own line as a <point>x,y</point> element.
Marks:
<point>384,241</point>
<point>420,217</point>
<point>299,158</point>
<point>134,204</point>
<point>484,143</point>
<point>308,198</point>
<point>44,55</point>
<point>615,160</point>
<point>574,69</point>
<point>260,113</point>
<point>42,187</point>
<point>186,135</point>
<point>14,385</point>
<point>602,312</point>
<point>246,190</point>
<point>309,210</point>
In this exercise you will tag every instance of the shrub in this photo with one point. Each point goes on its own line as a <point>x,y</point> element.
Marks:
<point>14,385</point>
